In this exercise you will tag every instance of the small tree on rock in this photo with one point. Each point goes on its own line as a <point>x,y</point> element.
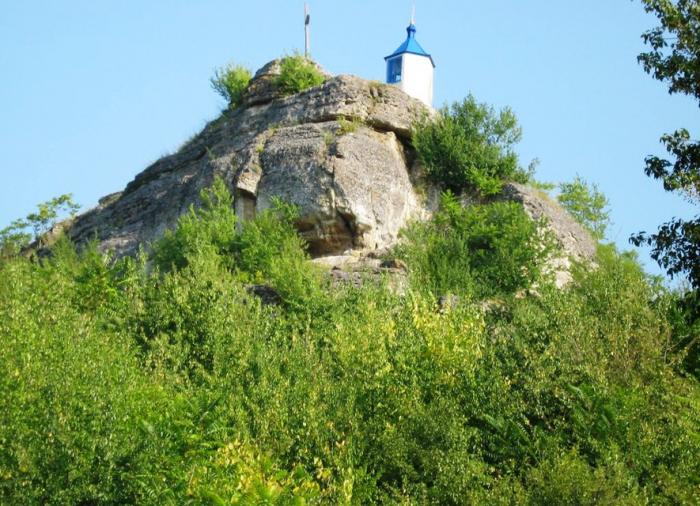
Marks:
<point>231,82</point>
<point>587,204</point>
<point>469,147</point>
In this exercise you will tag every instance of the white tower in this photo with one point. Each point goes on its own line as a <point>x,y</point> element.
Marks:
<point>411,68</point>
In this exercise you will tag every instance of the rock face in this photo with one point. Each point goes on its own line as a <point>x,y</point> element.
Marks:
<point>575,241</point>
<point>338,151</point>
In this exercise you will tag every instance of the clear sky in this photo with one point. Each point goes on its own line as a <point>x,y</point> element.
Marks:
<point>91,92</point>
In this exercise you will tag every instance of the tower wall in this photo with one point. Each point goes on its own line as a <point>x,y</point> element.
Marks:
<point>417,79</point>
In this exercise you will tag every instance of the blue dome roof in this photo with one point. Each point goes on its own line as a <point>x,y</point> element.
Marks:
<point>410,45</point>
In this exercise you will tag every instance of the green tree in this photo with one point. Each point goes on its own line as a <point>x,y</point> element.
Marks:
<point>20,233</point>
<point>231,82</point>
<point>587,204</point>
<point>469,146</point>
<point>674,58</point>
<point>481,250</point>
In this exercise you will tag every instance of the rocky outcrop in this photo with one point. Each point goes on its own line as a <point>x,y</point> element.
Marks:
<point>338,151</point>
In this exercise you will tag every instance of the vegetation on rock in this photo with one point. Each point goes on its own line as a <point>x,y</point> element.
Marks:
<point>469,147</point>
<point>482,250</point>
<point>231,83</point>
<point>587,204</point>
<point>297,73</point>
<point>20,233</point>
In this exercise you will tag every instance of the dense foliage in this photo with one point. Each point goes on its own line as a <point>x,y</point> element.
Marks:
<point>298,73</point>
<point>674,58</point>
<point>163,380</point>
<point>481,250</point>
<point>469,146</point>
<point>231,83</point>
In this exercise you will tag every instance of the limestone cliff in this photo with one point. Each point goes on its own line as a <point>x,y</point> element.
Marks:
<point>339,151</point>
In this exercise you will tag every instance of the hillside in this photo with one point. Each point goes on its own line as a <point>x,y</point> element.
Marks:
<point>183,343</point>
<point>341,152</point>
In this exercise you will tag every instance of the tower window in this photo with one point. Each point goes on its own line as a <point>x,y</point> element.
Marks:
<point>393,70</point>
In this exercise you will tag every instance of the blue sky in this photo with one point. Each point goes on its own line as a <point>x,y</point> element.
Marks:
<point>91,92</point>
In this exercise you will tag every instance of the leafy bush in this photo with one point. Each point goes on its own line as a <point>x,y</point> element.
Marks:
<point>161,380</point>
<point>469,147</point>
<point>297,74</point>
<point>570,479</point>
<point>683,312</point>
<point>587,204</point>
<point>17,235</point>
<point>479,250</point>
<point>269,250</point>
<point>266,250</point>
<point>239,474</point>
<point>207,229</point>
<point>348,126</point>
<point>231,82</point>
<point>75,400</point>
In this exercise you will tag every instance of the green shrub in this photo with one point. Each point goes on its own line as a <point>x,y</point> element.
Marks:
<point>587,204</point>
<point>231,82</point>
<point>348,126</point>
<point>297,74</point>
<point>469,147</point>
<point>207,229</point>
<point>128,384</point>
<point>682,308</point>
<point>569,479</point>
<point>479,250</point>
<point>238,473</point>
<point>75,399</point>
<point>269,250</point>
<point>265,250</point>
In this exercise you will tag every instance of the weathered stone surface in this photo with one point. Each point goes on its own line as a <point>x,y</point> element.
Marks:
<point>354,270</point>
<point>338,151</point>
<point>575,241</point>
<point>262,87</point>
<point>353,188</point>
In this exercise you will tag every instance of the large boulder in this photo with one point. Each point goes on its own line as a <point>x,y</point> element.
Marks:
<point>353,188</point>
<point>338,151</point>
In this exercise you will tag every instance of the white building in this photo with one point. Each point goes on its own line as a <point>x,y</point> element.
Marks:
<point>411,68</point>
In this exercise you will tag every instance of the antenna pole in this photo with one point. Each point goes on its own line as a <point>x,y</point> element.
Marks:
<point>307,34</point>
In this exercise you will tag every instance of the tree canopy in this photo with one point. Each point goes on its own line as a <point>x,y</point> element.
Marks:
<point>470,147</point>
<point>674,58</point>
